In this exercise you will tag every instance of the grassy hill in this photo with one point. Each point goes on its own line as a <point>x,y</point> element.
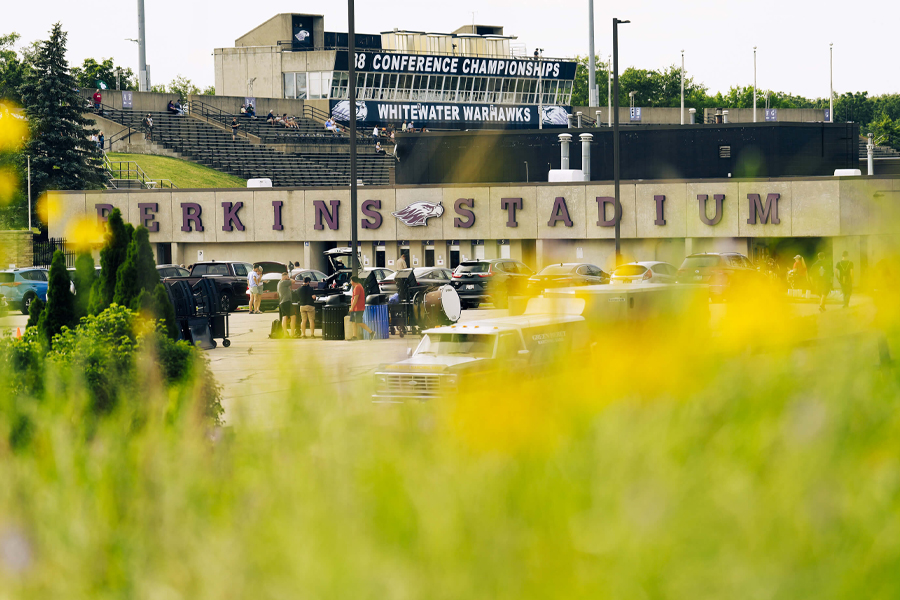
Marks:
<point>183,174</point>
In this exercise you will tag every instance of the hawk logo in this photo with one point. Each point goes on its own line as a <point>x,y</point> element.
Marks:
<point>302,35</point>
<point>417,213</point>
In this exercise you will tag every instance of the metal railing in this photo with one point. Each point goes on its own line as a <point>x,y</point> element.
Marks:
<point>43,251</point>
<point>129,170</point>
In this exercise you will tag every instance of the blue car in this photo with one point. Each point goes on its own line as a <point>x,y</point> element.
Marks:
<point>22,286</point>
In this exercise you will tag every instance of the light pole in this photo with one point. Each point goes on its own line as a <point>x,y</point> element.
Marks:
<point>618,206</point>
<point>831,84</point>
<point>754,84</point>
<point>592,65</point>
<point>539,52</point>
<point>351,76</point>
<point>142,50</point>
<point>682,87</point>
<point>609,89</point>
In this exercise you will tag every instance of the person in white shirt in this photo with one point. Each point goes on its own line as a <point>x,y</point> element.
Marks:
<point>375,135</point>
<point>254,282</point>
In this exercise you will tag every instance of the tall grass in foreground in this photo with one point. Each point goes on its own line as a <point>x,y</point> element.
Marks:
<point>745,464</point>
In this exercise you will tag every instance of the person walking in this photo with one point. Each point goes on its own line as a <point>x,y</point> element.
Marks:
<point>98,99</point>
<point>286,306</point>
<point>401,262</point>
<point>307,309</point>
<point>255,284</point>
<point>844,272</point>
<point>801,278</point>
<point>375,134</point>
<point>234,127</point>
<point>357,308</point>
<point>823,272</point>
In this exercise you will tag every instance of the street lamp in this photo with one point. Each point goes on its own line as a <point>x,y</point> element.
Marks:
<point>682,87</point>
<point>351,76</point>
<point>609,89</point>
<point>631,96</point>
<point>754,84</point>
<point>831,84</point>
<point>618,205</point>
<point>539,54</point>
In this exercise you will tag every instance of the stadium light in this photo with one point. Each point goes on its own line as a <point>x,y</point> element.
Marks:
<point>351,62</point>
<point>618,206</point>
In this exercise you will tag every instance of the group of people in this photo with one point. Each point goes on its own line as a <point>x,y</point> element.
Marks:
<point>174,107</point>
<point>291,302</point>
<point>247,110</point>
<point>100,140</point>
<point>283,120</point>
<point>332,126</point>
<point>819,279</point>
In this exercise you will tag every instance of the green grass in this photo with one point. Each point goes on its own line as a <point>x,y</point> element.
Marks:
<point>183,174</point>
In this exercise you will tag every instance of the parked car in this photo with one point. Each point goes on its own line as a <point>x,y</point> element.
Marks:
<point>172,271</point>
<point>462,357</point>
<point>492,280</point>
<point>566,275</point>
<point>426,278</point>
<point>725,272</point>
<point>648,271</point>
<point>299,274</point>
<point>21,286</point>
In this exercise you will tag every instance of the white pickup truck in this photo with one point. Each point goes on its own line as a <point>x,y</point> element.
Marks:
<point>454,357</point>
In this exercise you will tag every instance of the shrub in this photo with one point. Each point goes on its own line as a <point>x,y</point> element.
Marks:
<point>84,278</point>
<point>60,309</point>
<point>111,258</point>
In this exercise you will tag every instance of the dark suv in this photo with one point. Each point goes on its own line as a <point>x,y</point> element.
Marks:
<point>725,272</point>
<point>493,280</point>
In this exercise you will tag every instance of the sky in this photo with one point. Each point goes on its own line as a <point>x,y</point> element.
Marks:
<point>792,37</point>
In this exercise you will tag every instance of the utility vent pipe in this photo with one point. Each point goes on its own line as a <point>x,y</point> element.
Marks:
<point>586,155</point>
<point>691,113</point>
<point>724,116</point>
<point>578,115</point>
<point>564,139</point>
<point>870,153</point>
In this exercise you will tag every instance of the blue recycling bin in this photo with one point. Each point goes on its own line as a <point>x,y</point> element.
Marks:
<point>376,317</point>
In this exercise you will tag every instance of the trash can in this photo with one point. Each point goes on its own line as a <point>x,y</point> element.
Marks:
<point>376,317</point>
<point>333,321</point>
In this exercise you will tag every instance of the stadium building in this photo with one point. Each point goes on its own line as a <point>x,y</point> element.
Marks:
<point>474,77</point>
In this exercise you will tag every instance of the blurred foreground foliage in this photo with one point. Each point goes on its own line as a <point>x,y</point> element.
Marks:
<point>669,466</point>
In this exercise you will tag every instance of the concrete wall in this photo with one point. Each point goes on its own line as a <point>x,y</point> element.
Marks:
<point>827,208</point>
<point>278,28</point>
<point>235,66</point>
<point>232,104</point>
<point>16,249</point>
<point>784,115</point>
<point>141,101</point>
<point>649,115</point>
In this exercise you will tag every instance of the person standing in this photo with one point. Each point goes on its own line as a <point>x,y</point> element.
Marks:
<point>148,125</point>
<point>823,272</point>
<point>101,139</point>
<point>401,262</point>
<point>98,99</point>
<point>800,275</point>
<point>286,306</point>
<point>307,309</point>
<point>255,286</point>
<point>234,127</point>
<point>844,272</point>
<point>357,308</point>
<point>375,134</point>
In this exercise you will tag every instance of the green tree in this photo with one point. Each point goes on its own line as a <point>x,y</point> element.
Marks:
<point>854,106</point>
<point>183,87</point>
<point>60,309</point>
<point>62,154</point>
<point>91,73</point>
<point>887,131</point>
<point>580,95</point>
<point>138,272</point>
<point>208,91</point>
<point>113,254</point>
<point>84,277</point>
<point>34,312</point>
<point>12,68</point>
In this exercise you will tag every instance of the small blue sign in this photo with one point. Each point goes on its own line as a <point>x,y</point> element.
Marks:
<point>126,100</point>
<point>635,113</point>
<point>771,114</point>
<point>828,115</point>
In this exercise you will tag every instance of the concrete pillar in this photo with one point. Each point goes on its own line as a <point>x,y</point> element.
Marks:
<point>176,255</point>
<point>586,139</point>
<point>578,117</point>
<point>870,154</point>
<point>564,139</point>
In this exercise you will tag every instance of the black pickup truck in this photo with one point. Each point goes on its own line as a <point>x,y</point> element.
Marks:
<point>231,280</point>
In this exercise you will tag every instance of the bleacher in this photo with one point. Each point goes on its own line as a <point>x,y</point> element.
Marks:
<point>878,152</point>
<point>208,142</point>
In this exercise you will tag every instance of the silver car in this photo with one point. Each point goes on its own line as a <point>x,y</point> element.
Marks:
<point>649,271</point>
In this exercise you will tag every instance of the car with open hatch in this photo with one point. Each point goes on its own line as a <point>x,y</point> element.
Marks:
<point>490,280</point>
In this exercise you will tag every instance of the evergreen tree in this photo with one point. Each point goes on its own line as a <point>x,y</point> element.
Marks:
<point>60,308</point>
<point>62,154</point>
<point>138,272</point>
<point>112,256</point>
<point>85,274</point>
<point>157,305</point>
<point>34,313</point>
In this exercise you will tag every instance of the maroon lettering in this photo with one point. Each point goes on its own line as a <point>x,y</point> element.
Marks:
<point>367,209</point>
<point>148,220</point>
<point>719,198</point>
<point>322,212</point>
<point>276,206</point>
<point>103,211</point>
<point>660,215</point>
<point>190,213</point>
<point>230,217</point>
<point>560,212</point>
<point>462,207</point>
<point>511,205</point>
<point>768,214</point>
<point>602,202</point>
